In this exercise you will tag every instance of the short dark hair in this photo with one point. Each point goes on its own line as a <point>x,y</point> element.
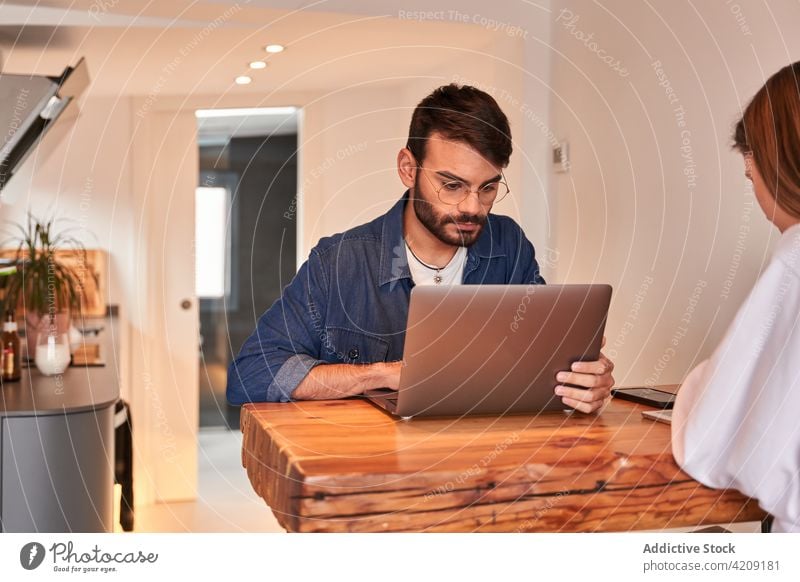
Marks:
<point>462,113</point>
<point>770,131</point>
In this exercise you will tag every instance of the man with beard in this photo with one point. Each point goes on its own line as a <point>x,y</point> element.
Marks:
<point>339,327</point>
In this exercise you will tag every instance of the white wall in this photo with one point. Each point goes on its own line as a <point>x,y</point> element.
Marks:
<point>351,138</point>
<point>656,201</point>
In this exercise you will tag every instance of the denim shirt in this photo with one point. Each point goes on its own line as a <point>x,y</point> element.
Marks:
<point>348,303</point>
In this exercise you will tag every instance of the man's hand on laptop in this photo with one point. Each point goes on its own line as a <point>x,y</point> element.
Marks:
<point>596,376</point>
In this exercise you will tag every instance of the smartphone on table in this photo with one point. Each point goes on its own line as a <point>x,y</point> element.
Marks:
<point>648,396</point>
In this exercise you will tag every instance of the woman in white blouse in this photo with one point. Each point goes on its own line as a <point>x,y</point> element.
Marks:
<point>736,422</point>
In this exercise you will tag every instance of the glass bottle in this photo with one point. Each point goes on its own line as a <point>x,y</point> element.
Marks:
<point>9,359</point>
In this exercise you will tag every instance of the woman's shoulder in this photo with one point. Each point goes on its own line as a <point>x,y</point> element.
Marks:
<point>787,250</point>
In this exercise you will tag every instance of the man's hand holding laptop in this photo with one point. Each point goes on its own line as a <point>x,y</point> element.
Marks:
<point>596,376</point>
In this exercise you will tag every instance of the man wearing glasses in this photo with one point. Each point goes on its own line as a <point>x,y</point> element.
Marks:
<point>338,328</point>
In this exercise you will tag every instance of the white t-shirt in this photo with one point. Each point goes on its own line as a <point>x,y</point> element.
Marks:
<point>451,274</point>
<point>736,422</point>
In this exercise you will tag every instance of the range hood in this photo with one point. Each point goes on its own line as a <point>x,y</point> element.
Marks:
<point>29,106</point>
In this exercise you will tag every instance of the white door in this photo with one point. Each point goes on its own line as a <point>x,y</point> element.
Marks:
<point>164,342</point>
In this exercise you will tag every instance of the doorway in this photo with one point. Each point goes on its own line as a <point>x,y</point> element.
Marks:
<point>245,248</point>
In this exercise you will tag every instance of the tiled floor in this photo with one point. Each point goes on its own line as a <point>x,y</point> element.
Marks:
<point>226,503</point>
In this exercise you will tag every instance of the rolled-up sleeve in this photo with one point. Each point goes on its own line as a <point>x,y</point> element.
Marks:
<point>286,343</point>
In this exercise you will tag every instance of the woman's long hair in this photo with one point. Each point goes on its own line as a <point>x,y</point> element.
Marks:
<point>770,131</point>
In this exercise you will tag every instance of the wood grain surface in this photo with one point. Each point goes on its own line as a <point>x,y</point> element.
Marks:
<point>345,465</point>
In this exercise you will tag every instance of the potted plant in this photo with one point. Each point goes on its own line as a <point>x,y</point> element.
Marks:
<point>45,288</point>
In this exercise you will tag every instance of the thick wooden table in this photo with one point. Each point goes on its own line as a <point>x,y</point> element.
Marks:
<point>347,466</point>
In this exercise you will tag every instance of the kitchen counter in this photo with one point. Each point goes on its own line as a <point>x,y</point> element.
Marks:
<point>57,445</point>
<point>78,389</point>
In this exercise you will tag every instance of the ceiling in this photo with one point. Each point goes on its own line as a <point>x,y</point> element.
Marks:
<point>137,47</point>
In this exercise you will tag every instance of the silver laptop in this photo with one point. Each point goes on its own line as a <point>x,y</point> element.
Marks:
<point>493,349</point>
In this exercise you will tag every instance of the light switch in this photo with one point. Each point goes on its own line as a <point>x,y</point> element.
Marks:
<point>561,157</point>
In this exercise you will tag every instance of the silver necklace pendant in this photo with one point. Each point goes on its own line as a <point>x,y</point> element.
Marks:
<point>437,278</point>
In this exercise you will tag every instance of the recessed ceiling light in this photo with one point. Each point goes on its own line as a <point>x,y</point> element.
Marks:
<point>274,48</point>
<point>243,80</point>
<point>258,65</point>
